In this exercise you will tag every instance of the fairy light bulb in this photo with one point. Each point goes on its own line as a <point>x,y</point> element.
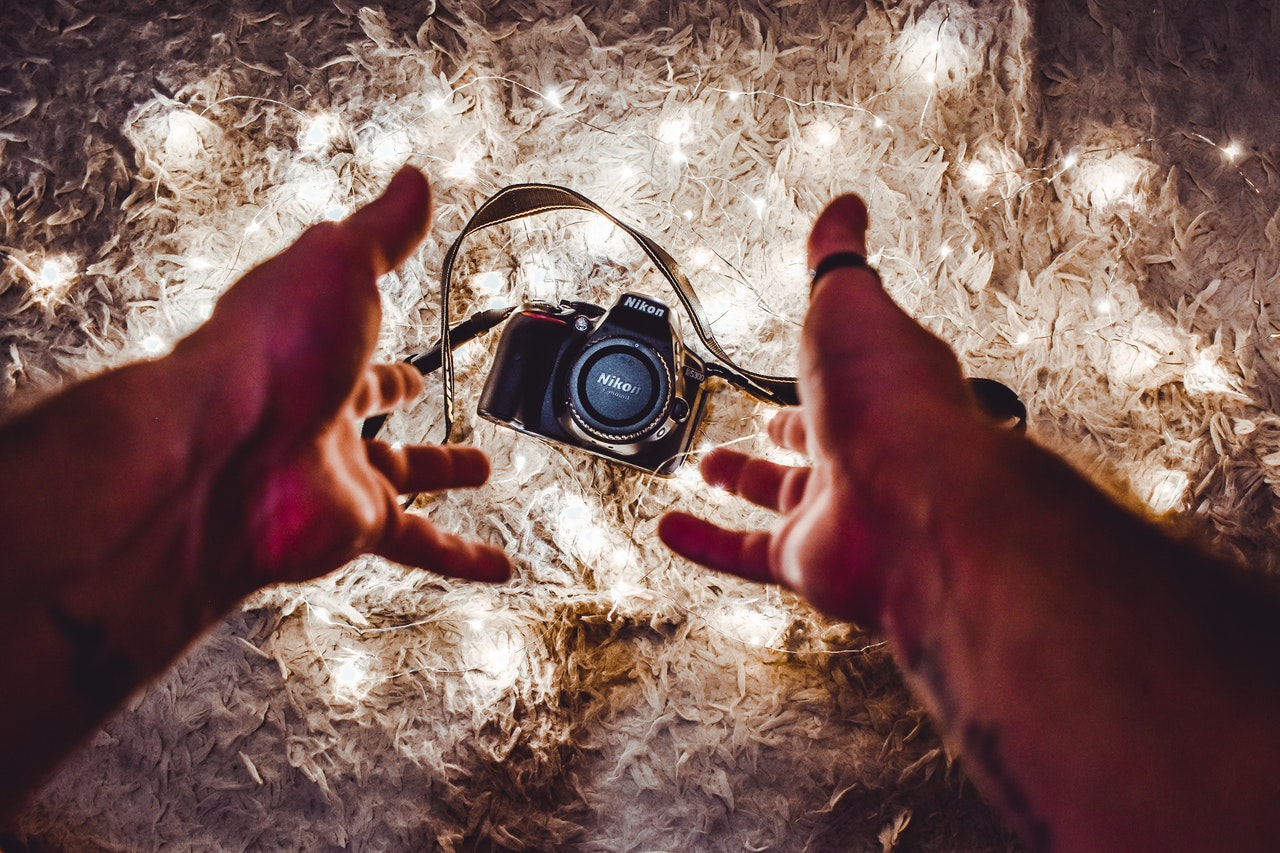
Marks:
<point>54,272</point>
<point>674,131</point>
<point>553,96</point>
<point>317,133</point>
<point>350,675</point>
<point>825,134</point>
<point>153,344</point>
<point>462,168</point>
<point>978,174</point>
<point>1232,151</point>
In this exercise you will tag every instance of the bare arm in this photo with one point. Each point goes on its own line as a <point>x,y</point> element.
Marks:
<point>1109,688</point>
<point>138,506</point>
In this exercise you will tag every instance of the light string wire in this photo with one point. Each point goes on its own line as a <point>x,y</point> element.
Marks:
<point>1046,174</point>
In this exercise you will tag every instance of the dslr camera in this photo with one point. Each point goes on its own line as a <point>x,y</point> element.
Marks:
<point>616,383</point>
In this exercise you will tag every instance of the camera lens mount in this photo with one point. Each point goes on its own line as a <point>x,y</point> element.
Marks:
<point>619,389</point>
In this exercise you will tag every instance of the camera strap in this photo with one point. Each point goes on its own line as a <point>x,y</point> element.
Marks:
<point>521,200</point>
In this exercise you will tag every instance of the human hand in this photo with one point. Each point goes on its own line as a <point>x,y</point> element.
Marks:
<point>885,411</point>
<point>236,460</point>
<point>138,506</point>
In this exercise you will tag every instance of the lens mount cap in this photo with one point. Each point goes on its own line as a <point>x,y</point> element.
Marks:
<point>619,389</point>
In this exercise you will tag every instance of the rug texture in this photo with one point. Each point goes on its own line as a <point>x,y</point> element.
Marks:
<point>1081,199</point>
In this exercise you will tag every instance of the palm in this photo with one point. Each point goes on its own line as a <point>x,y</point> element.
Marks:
<point>300,493</point>
<point>875,387</point>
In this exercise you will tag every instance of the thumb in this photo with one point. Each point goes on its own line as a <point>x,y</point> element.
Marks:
<point>394,223</point>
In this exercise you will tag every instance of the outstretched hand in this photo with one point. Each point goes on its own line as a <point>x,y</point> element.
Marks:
<point>881,398</point>
<point>141,504</point>
<point>308,494</point>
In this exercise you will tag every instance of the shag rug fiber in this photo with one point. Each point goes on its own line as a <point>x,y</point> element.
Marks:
<point>1081,198</point>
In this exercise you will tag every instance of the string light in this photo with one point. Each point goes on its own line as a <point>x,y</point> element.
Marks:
<point>351,675</point>
<point>978,174</point>
<point>494,649</point>
<point>153,345</point>
<point>317,133</point>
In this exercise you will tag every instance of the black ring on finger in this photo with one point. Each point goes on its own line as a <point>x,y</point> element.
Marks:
<point>840,260</point>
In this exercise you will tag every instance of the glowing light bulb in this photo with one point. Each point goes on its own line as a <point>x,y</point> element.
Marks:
<point>577,523</point>
<point>553,96</point>
<point>735,95</point>
<point>879,122</point>
<point>387,148</point>
<point>153,345</point>
<point>760,205</point>
<point>461,169</point>
<point>489,282</point>
<point>601,234</point>
<point>688,215</point>
<point>252,228</point>
<point>1022,339</point>
<point>826,134</point>
<point>54,272</point>
<point>317,133</point>
<point>1232,151</point>
<point>439,101</point>
<point>1104,305</point>
<point>944,251</point>
<point>199,262</point>
<point>701,257</point>
<point>1071,160</point>
<point>978,174</point>
<point>314,193</point>
<point>350,674</point>
<point>673,131</point>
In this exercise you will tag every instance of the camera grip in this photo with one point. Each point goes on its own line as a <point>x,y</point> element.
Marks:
<point>522,366</point>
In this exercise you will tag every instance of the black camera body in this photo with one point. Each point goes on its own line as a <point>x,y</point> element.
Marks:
<point>616,383</point>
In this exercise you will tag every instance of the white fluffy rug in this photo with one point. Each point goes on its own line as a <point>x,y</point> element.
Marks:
<point>1081,200</point>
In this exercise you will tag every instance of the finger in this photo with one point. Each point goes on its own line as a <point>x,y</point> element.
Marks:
<point>787,430</point>
<point>793,488</point>
<point>394,223</point>
<point>745,554</point>
<point>758,480</point>
<point>385,387</point>
<point>840,227</point>
<point>428,467</point>
<point>412,540</point>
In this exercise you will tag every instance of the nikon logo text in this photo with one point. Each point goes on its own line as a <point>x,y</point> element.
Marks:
<point>618,383</point>
<point>646,307</point>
